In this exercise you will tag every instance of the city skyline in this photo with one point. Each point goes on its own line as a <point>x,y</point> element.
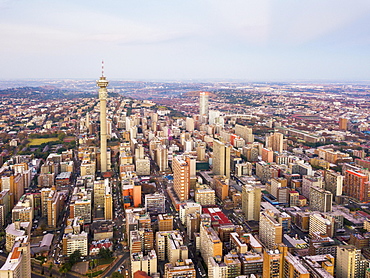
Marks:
<point>254,40</point>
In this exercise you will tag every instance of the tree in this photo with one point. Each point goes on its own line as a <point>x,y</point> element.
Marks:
<point>105,253</point>
<point>75,257</point>
<point>50,269</point>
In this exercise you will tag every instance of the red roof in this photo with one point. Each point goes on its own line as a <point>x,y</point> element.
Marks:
<point>217,215</point>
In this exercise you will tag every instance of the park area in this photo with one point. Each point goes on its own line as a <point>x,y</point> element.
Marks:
<point>39,141</point>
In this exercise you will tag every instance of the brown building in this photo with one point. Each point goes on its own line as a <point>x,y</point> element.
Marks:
<point>356,185</point>
<point>221,186</point>
<point>165,222</point>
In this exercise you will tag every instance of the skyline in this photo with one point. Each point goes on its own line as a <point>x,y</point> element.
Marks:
<point>174,40</point>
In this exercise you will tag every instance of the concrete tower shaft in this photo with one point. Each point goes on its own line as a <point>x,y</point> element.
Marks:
<point>102,83</point>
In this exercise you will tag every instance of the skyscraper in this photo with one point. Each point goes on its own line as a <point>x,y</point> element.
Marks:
<point>350,262</point>
<point>181,177</point>
<point>221,158</point>
<point>102,83</point>
<point>251,201</point>
<point>203,106</point>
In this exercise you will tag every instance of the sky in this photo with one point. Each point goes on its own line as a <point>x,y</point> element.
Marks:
<point>252,40</point>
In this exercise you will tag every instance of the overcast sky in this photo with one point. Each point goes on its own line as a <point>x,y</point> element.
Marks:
<point>187,39</point>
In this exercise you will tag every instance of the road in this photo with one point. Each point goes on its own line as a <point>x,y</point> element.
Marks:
<point>118,263</point>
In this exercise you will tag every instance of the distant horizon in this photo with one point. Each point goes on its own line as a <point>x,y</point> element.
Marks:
<point>264,40</point>
<point>200,80</point>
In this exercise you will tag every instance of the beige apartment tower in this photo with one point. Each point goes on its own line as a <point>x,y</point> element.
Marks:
<point>251,202</point>
<point>181,177</point>
<point>221,158</point>
<point>102,84</point>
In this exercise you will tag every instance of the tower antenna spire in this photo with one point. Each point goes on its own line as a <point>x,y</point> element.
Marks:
<point>102,68</point>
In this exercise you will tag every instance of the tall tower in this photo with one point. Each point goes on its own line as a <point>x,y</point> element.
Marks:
<point>203,107</point>
<point>181,177</point>
<point>102,83</point>
<point>221,158</point>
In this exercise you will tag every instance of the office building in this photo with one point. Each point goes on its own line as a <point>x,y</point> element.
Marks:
<point>180,269</point>
<point>72,242</point>
<point>275,142</point>
<point>165,222</point>
<point>203,106</point>
<point>245,133</point>
<point>308,182</point>
<point>294,268</point>
<point>343,123</point>
<point>320,199</point>
<point>221,158</point>
<point>333,182</point>
<point>181,177</point>
<point>251,201</point>
<point>273,262</point>
<point>350,262</point>
<point>15,230</point>
<point>187,209</point>
<point>155,203</point>
<point>356,185</point>
<point>170,246</point>
<point>321,266</point>
<point>146,263</point>
<point>141,240</point>
<point>270,231</point>
<point>18,262</point>
<point>205,196</point>
<point>321,225</point>
<point>211,244</point>
<point>251,263</point>
<point>221,186</point>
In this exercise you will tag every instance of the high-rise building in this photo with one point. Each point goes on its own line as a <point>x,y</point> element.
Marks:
<point>15,230</point>
<point>189,122</point>
<point>273,261</point>
<point>170,246</point>
<point>145,263</point>
<point>141,240</point>
<point>267,155</point>
<point>205,196</point>
<point>165,222</point>
<point>18,263</point>
<point>333,182</point>
<point>180,269</point>
<point>187,209</point>
<point>73,242</point>
<point>155,203</point>
<point>350,263</point>
<point>203,106</point>
<point>343,123</point>
<point>251,201</point>
<point>356,185</point>
<point>320,199</point>
<point>245,133</point>
<point>181,177</point>
<point>103,208</point>
<point>308,182</point>
<point>270,231</point>
<point>229,267</point>
<point>161,157</point>
<point>294,268</point>
<point>274,142</point>
<point>211,244</point>
<point>221,186</point>
<point>102,83</point>
<point>323,264</point>
<point>321,225</point>
<point>221,158</point>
